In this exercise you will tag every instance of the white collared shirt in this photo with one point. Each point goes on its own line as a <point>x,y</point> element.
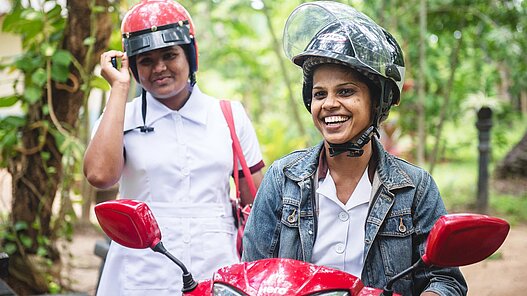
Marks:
<point>188,156</point>
<point>340,235</point>
<point>182,170</point>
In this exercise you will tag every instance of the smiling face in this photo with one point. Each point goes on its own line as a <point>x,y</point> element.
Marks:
<point>164,73</point>
<point>341,103</point>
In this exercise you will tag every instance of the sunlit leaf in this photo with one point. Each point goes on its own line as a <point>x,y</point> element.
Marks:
<point>100,83</point>
<point>32,94</point>
<point>47,49</point>
<point>8,101</point>
<point>39,77</point>
<point>89,41</point>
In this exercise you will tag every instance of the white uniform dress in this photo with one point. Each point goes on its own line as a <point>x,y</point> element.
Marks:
<point>182,171</point>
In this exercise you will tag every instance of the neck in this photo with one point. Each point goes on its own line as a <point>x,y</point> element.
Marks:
<point>347,171</point>
<point>350,166</point>
<point>179,100</point>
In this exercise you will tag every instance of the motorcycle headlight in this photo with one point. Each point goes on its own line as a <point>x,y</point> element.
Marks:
<point>224,290</point>
<point>331,293</point>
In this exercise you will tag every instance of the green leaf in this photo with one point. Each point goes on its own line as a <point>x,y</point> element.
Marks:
<point>98,9</point>
<point>39,77</point>
<point>47,50</point>
<point>45,155</point>
<point>100,83</point>
<point>62,57</point>
<point>36,225</point>
<point>29,62</point>
<point>12,19</point>
<point>41,251</point>
<point>31,14</point>
<point>51,170</point>
<point>8,101</point>
<point>89,41</point>
<point>55,12</point>
<point>20,225</point>
<point>45,110</point>
<point>32,94</point>
<point>13,121</point>
<point>26,241</point>
<point>10,248</point>
<point>59,72</point>
<point>54,288</point>
<point>9,139</point>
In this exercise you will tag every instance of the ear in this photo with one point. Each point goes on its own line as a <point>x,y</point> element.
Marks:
<point>307,90</point>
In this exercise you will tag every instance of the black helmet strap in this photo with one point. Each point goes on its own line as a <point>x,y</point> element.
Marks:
<point>144,128</point>
<point>354,149</point>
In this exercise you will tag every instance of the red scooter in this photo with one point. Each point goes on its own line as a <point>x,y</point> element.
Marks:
<point>455,240</point>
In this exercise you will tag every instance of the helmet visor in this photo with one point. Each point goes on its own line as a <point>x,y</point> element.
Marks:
<point>338,31</point>
<point>155,38</point>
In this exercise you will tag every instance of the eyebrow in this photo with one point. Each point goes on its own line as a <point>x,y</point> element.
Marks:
<point>340,84</point>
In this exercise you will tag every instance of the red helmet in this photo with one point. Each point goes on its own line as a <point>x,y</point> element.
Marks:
<point>154,24</point>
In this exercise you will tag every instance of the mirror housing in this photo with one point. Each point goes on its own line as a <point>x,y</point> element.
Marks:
<point>463,239</point>
<point>458,240</point>
<point>129,223</point>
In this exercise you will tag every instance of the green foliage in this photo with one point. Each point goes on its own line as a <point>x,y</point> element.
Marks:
<point>41,65</point>
<point>41,33</point>
<point>9,137</point>
<point>457,182</point>
<point>277,140</point>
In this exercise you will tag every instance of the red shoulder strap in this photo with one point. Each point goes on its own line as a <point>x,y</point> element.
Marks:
<point>237,151</point>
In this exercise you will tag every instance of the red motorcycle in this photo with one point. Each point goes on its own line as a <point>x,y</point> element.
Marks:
<point>455,240</point>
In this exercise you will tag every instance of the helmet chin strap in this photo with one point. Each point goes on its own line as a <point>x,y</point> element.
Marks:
<point>354,149</point>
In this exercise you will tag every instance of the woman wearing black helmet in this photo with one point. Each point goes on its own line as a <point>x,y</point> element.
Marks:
<point>170,147</point>
<point>346,203</point>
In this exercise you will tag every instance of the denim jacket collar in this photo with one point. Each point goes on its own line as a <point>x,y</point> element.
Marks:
<point>390,173</point>
<point>304,166</point>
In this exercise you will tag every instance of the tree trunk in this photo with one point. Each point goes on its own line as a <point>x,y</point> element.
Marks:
<point>37,170</point>
<point>421,89</point>
<point>514,165</point>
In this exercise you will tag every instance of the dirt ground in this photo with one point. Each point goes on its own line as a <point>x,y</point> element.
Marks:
<point>504,275</point>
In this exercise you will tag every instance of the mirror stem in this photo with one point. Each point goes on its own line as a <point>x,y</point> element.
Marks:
<point>188,282</point>
<point>388,288</point>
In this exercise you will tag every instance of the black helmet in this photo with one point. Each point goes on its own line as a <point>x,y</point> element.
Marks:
<point>329,32</point>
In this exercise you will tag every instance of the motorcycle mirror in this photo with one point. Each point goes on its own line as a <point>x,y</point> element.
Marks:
<point>129,223</point>
<point>458,240</point>
<point>132,224</point>
<point>463,239</point>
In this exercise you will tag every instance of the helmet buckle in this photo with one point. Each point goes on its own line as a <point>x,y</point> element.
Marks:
<point>393,72</point>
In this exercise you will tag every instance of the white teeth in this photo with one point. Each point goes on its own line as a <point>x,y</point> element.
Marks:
<point>335,119</point>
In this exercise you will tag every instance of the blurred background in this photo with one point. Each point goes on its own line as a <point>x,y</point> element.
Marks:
<point>462,115</point>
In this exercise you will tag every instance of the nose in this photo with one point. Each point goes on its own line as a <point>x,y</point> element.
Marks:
<point>159,66</point>
<point>330,102</point>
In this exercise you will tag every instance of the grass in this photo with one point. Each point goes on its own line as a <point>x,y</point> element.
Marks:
<point>457,182</point>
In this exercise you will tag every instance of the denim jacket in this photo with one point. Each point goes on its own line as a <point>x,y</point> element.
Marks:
<point>404,205</point>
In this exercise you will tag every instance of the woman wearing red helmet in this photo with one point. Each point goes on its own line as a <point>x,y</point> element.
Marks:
<point>170,147</point>
<point>347,203</point>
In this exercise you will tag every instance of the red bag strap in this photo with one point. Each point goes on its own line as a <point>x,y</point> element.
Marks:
<point>237,151</point>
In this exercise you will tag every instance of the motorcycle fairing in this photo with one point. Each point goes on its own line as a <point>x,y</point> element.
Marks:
<point>280,276</point>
